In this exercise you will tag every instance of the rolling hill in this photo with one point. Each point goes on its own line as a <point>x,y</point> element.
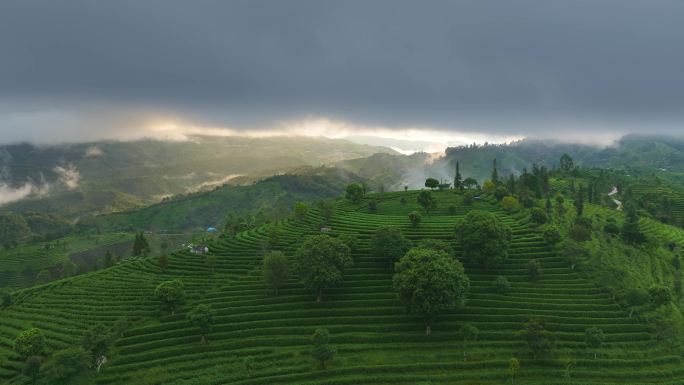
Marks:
<point>376,341</point>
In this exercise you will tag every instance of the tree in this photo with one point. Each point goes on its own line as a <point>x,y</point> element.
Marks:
<point>430,281</point>
<point>426,200</point>
<point>431,183</point>
<point>322,351</point>
<point>469,333</point>
<point>121,326</point>
<point>484,238</point>
<point>68,363</point>
<point>108,260</point>
<point>415,218</point>
<point>631,231</point>
<point>635,298</point>
<point>536,336</point>
<point>171,294</point>
<point>350,240</point>
<point>538,215</point>
<point>140,245</point>
<point>13,230</point>
<point>579,201</point>
<point>275,270</point>
<point>301,209</point>
<point>435,244</point>
<point>566,163</point>
<point>320,262</point>
<point>659,295</point>
<point>96,342</point>
<point>510,204</point>
<point>534,269</point>
<point>495,173</point>
<point>202,318</point>
<point>501,285</point>
<point>594,338</point>
<point>210,261</point>
<point>470,182</point>
<point>273,235</point>
<point>32,367</point>
<point>389,243</point>
<point>355,192</point>
<point>458,182</point>
<point>488,186</point>
<point>551,234</point>
<point>327,209</point>
<point>44,276</point>
<point>163,261</point>
<point>30,342</point>
<point>513,368</point>
<point>372,206</point>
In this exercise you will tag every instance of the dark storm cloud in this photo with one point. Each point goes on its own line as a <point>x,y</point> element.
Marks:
<point>504,67</point>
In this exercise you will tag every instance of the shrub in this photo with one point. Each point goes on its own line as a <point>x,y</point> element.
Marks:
<point>322,351</point>
<point>389,243</point>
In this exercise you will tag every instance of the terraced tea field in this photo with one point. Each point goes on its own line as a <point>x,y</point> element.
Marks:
<point>377,342</point>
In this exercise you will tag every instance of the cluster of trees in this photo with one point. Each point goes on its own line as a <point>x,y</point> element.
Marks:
<point>61,366</point>
<point>31,226</point>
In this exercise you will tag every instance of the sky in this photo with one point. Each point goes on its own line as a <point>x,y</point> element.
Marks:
<point>413,74</point>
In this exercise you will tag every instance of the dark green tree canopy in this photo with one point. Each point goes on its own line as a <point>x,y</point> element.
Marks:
<point>275,270</point>
<point>389,243</point>
<point>320,262</point>
<point>202,318</point>
<point>429,282</point>
<point>30,342</point>
<point>484,238</point>
<point>322,351</point>
<point>171,294</point>
<point>415,218</point>
<point>431,183</point>
<point>96,341</point>
<point>426,200</point>
<point>355,192</point>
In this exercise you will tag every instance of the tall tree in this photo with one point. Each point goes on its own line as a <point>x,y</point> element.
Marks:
<point>579,201</point>
<point>566,163</point>
<point>320,262</point>
<point>171,294</point>
<point>202,318</point>
<point>458,181</point>
<point>536,336</point>
<point>495,173</point>
<point>322,351</point>
<point>594,338</point>
<point>389,243</point>
<point>429,282</point>
<point>275,270</point>
<point>355,192</point>
<point>426,200</point>
<point>96,342</point>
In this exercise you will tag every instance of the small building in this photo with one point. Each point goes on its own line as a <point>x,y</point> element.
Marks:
<point>198,249</point>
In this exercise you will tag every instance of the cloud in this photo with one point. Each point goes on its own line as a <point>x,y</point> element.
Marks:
<point>571,70</point>
<point>68,175</point>
<point>10,194</point>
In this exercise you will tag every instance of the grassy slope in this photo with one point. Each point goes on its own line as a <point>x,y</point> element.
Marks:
<point>377,341</point>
